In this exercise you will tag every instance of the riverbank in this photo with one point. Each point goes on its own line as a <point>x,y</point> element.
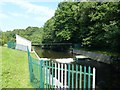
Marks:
<point>101,56</point>
<point>93,55</point>
<point>15,70</point>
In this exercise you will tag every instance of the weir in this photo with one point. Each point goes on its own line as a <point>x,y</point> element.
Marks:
<point>95,56</point>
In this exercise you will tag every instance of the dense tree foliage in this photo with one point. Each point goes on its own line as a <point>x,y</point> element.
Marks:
<point>93,24</point>
<point>48,35</point>
<point>3,38</point>
<point>33,34</point>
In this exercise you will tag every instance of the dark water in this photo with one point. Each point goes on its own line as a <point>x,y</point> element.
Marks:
<point>107,77</point>
<point>52,54</point>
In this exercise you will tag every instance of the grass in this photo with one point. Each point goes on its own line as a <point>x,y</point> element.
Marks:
<point>105,52</point>
<point>0,68</point>
<point>34,56</point>
<point>15,70</point>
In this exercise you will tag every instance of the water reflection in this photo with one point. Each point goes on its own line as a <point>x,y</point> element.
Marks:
<point>52,54</point>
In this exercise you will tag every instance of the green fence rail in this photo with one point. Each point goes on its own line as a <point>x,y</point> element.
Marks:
<point>50,74</point>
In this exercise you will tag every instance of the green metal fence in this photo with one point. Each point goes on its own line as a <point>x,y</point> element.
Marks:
<point>11,44</point>
<point>51,74</point>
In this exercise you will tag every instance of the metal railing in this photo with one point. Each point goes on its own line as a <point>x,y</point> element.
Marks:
<point>51,74</point>
<point>11,44</point>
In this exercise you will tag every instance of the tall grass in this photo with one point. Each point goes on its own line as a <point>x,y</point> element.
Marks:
<point>15,71</point>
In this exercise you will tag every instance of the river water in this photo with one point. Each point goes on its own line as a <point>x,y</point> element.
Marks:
<point>107,78</point>
<point>43,53</point>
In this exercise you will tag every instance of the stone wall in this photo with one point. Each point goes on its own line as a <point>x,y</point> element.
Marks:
<point>95,56</point>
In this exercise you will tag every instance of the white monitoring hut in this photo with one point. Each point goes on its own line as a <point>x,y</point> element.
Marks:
<point>22,43</point>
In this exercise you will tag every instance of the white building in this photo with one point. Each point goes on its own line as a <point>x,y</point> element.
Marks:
<point>22,43</point>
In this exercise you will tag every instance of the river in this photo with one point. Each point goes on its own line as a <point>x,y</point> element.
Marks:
<point>107,78</point>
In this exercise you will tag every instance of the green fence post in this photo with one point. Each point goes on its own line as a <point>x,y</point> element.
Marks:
<point>72,76</point>
<point>43,70</point>
<point>52,76</point>
<point>41,74</point>
<point>30,64</point>
<point>46,75</point>
<point>76,76</point>
<point>30,68</point>
<point>28,53</point>
<point>69,76</point>
<point>49,75</point>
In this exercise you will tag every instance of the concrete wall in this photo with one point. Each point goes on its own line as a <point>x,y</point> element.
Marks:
<point>95,56</point>
<point>22,43</point>
<point>21,47</point>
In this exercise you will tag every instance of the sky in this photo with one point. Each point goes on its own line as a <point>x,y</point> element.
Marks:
<point>19,14</point>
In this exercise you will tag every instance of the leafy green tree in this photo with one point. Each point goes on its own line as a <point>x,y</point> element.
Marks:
<point>94,24</point>
<point>49,31</point>
<point>33,34</point>
<point>4,39</point>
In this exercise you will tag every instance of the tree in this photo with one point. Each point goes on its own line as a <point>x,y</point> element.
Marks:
<point>33,34</point>
<point>95,24</point>
<point>49,31</point>
<point>4,39</point>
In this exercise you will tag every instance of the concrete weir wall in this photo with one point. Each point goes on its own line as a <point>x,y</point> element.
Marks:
<point>95,56</point>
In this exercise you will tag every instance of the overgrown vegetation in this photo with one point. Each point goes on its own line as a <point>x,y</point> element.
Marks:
<point>33,34</point>
<point>91,24</point>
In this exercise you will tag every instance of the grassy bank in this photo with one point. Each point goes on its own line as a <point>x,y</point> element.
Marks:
<point>100,51</point>
<point>0,68</point>
<point>15,71</point>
